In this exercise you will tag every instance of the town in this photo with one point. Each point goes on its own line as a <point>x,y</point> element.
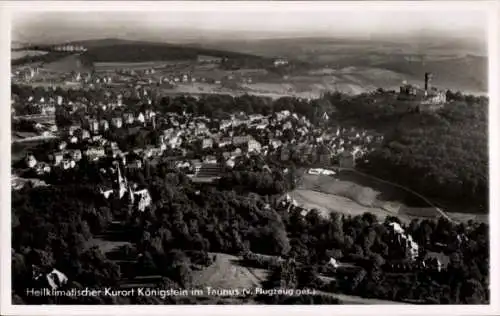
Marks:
<point>120,135</point>
<point>336,170</point>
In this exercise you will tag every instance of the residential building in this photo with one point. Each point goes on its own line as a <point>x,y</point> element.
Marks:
<point>287,125</point>
<point>255,117</point>
<point>254,146</point>
<point>95,153</point>
<point>142,199</point>
<point>210,159</point>
<point>207,143</point>
<point>225,141</point>
<point>52,280</point>
<point>196,165</point>
<point>284,154</point>
<point>405,240</point>
<point>204,59</point>
<point>93,126</point>
<point>76,154</point>
<point>128,118</point>
<point>346,160</point>
<point>68,164</point>
<point>225,124</point>
<point>324,155</point>
<point>240,140</point>
<point>230,163</point>
<point>280,62</point>
<point>117,122</point>
<point>209,169</point>
<point>42,168</point>
<point>57,158</point>
<point>141,118</point>
<point>72,129</point>
<point>104,125</point>
<point>275,143</point>
<point>149,115</point>
<point>85,134</point>
<point>31,161</point>
<point>134,164</point>
<point>62,145</point>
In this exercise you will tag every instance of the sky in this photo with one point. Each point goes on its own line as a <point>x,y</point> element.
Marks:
<point>252,23</point>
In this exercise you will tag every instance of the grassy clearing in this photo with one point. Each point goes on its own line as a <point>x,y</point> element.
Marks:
<point>352,193</point>
<point>25,53</point>
<point>226,273</point>
<point>327,203</point>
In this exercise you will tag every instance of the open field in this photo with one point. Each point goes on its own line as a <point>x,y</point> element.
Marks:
<point>109,66</point>
<point>457,64</point>
<point>328,203</point>
<point>354,194</point>
<point>464,217</point>
<point>226,273</point>
<point>350,66</point>
<point>24,53</point>
<point>362,189</point>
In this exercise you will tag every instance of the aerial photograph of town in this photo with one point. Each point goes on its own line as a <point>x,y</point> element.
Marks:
<point>273,157</point>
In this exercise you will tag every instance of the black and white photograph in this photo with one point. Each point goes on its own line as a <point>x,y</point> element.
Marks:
<point>249,153</point>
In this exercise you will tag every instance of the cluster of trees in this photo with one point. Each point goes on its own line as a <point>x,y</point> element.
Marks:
<point>217,106</point>
<point>129,139</point>
<point>52,227</point>
<point>24,126</point>
<point>260,182</point>
<point>442,155</point>
<point>368,244</point>
<point>210,219</point>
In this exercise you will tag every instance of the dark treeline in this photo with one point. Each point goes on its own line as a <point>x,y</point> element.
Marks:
<point>443,155</point>
<point>134,52</point>
<point>370,245</point>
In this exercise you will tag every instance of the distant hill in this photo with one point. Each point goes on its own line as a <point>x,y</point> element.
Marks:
<point>458,64</point>
<point>118,50</point>
<point>469,73</point>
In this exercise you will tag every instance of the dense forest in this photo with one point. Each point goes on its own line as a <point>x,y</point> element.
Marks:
<point>55,226</point>
<point>443,155</point>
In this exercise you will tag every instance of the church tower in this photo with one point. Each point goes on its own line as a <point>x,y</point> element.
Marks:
<point>122,183</point>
